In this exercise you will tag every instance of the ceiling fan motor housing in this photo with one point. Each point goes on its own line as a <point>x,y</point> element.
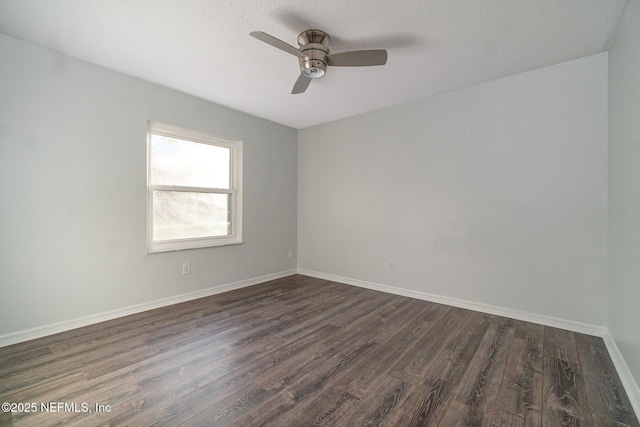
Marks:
<point>315,45</point>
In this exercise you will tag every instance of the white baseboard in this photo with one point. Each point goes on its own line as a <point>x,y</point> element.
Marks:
<point>630,385</point>
<point>584,328</point>
<point>628,382</point>
<point>42,331</point>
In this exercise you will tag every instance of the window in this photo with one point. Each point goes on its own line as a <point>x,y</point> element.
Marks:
<point>194,189</point>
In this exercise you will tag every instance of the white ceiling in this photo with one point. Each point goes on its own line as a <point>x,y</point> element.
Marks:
<point>203,47</point>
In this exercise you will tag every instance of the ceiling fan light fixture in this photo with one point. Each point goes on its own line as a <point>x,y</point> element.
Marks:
<point>313,69</point>
<point>313,73</point>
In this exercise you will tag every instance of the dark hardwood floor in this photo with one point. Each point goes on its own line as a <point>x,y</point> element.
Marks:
<point>301,351</point>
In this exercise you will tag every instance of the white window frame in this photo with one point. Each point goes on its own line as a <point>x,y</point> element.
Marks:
<point>235,190</point>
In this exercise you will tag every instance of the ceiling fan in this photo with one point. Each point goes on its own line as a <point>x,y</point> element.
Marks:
<point>314,55</point>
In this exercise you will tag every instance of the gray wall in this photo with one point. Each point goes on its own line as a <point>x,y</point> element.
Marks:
<point>73,191</point>
<point>624,187</point>
<point>496,193</point>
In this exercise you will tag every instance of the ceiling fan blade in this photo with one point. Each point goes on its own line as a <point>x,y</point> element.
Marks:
<point>358,58</point>
<point>301,85</point>
<point>276,43</point>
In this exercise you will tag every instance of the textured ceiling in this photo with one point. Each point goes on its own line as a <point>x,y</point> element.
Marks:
<point>203,47</point>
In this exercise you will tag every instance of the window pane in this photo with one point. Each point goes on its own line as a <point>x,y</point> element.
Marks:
<point>181,215</point>
<point>189,164</point>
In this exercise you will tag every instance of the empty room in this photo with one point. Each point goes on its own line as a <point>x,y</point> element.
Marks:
<point>295,213</point>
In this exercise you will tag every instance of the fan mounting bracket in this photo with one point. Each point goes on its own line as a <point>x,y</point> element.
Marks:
<point>313,37</point>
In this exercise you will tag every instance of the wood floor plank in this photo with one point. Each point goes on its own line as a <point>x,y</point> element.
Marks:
<point>565,400</point>
<point>324,315</point>
<point>560,344</point>
<point>479,387</point>
<point>519,401</point>
<point>605,393</point>
<point>461,414</point>
<point>271,370</point>
<point>37,391</point>
<point>177,372</point>
<point>445,373</point>
<point>305,351</point>
<point>382,358</point>
<point>379,408</point>
<point>127,350</point>
<point>276,369</point>
<point>371,306</point>
<point>18,360</point>
<point>323,374</point>
<point>416,363</point>
<point>511,418</point>
<point>329,408</point>
<point>7,419</point>
<point>68,355</point>
<point>278,407</point>
<point>424,404</point>
<point>455,357</point>
<point>230,408</point>
<point>120,396</point>
<point>170,413</point>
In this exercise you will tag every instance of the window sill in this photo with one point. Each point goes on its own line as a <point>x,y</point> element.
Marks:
<point>174,248</point>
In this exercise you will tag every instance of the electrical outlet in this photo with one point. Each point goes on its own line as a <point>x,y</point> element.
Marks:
<point>391,264</point>
<point>290,254</point>
<point>186,268</point>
